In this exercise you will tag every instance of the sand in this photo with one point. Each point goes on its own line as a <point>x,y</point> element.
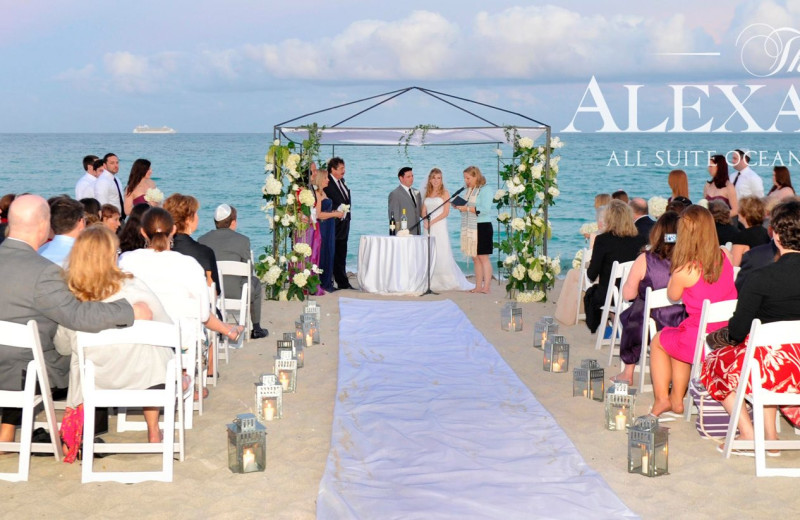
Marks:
<point>701,484</point>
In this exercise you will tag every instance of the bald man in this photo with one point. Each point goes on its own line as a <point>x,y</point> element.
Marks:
<point>641,219</point>
<point>32,288</point>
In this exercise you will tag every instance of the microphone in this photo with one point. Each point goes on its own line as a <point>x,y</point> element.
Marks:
<point>459,190</point>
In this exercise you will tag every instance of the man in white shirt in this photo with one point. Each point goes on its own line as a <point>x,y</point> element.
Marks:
<point>67,222</point>
<point>84,189</point>
<point>108,190</point>
<point>746,181</point>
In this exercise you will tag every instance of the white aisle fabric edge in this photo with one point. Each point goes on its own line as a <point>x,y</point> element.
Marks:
<point>430,422</point>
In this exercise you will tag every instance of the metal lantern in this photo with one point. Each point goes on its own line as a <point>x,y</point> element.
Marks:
<point>648,447</point>
<point>247,444</point>
<point>299,351</point>
<point>269,398</point>
<point>286,346</point>
<point>286,371</point>
<point>620,403</point>
<point>589,380</point>
<point>556,354</point>
<point>313,308</point>
<point>543,330</point>
<point>511,317</point>
<point>311,328</point>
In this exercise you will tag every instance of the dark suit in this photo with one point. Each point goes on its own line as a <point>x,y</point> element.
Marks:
<point>755,259</point>
<point>643,225</point>
<point>342,232</point>
<point>399,200</point>
<point>228,245</point>
<point>32,288</point>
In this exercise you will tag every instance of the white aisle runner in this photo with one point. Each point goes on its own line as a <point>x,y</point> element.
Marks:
<point>430,422</point>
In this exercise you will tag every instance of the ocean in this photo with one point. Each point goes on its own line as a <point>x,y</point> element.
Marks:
<point>229,168</point>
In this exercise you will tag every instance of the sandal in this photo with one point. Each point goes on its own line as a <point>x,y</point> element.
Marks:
<point>197,394</point>
<point>741,453</point>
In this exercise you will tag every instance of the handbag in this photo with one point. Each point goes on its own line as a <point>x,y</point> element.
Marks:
<point>719,338</point>
<point>712,418</point>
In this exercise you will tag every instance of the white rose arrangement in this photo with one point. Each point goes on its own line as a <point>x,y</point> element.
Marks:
<point>588,228</point>
<point>302,249</point>
<point>657,206</point>
<point>344,208</point>
<point>578,260</point>
<point>306,197</point>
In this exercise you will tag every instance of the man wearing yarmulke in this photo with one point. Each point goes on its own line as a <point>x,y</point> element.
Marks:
<point>232,246</point>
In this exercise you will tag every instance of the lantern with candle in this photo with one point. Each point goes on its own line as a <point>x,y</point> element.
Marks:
<point>556,354</point>
<point>589,380</point>
<point>299,351</point>
<point>269,398</point>
<point>311,328</point>
<point>543,330</point>
<point>511,317</point>
<point>286,371</point>
<point>648,447</point>
<point>286,346</point>
<point>620,403</point>
<point>247,444</point>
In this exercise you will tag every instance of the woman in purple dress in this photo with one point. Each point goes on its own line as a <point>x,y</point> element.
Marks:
<point>650,269</point>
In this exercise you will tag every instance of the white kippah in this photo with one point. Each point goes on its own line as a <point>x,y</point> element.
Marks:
<point>223,211</point>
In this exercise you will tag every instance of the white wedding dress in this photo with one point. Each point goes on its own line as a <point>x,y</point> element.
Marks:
<point>446,275</point>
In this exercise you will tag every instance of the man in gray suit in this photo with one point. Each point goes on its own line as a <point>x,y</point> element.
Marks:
<point>230,245</point>
<point>32,288</point>
<point>405,197</point>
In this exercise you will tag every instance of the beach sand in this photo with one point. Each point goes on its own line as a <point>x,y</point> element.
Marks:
<point>701,484</point>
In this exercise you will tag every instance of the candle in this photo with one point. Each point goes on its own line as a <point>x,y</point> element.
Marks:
<point>284,379</point>
<point>645,464</point>
<point>557,368</point>
<point>301,357</point>
<point>309,339</point>
<point>584,393</point>
<point>621,420</point>
<point>249,461</point>
<point>268,411</point>
<point>544,339</point>
<point>591,394</point>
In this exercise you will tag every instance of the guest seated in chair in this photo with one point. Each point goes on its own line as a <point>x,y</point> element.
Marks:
<point>700,270</point>
<point>770,294</point>
<point>751,216</point>
<point>228,245</point>
<point>619,243</point>
<point>93,276</point>
<point>651,269</point>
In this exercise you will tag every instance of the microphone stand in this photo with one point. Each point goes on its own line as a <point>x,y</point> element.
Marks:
<point>428,218</point>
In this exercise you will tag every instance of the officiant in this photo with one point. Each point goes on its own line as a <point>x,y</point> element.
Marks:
<point>405,197</point>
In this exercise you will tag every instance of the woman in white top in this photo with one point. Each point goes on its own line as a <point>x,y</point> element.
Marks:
<point>177,279</point>
<point>446,275</point>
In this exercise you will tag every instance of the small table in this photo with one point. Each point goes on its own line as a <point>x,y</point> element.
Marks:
<point>394,265</point>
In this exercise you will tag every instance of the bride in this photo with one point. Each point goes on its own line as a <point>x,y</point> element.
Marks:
<point>446,276</point>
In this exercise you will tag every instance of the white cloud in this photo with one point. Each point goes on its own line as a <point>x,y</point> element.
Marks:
<point>132,73</point>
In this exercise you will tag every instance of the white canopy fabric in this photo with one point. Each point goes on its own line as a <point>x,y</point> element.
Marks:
<point>399,136</point>
<point>430,422</point>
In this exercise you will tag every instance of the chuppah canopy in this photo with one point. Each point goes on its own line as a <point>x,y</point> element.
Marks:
<point>493,133</point>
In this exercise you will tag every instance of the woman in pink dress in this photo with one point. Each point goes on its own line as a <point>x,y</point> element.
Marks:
<point>700,271</point>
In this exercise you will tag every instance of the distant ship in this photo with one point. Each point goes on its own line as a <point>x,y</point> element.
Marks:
<point>144,129</point>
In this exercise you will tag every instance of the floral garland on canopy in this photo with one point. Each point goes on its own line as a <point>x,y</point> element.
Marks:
<point>284,267</point>
<point>530,187</point>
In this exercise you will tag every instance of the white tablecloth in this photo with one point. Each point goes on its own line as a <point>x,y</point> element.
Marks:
<point>394,265</point>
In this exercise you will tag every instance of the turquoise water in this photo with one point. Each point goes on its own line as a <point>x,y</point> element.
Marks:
<point>218,168</point>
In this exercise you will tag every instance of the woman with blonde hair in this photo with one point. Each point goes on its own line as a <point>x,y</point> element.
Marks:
<point>325,217</point>
<point>476,227</point>
<point>93,275</point>
<point>446,275</point>
<point>678,183</point>
<point>620,242</point>
<point>700,271</point>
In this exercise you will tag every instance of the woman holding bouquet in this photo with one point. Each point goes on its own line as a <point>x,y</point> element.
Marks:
<point>139,183</point>
<point>327,243</point>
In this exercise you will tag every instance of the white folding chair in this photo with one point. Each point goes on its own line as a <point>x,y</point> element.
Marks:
<point>711,313</point>
<point>763,336</point>
<point>26,337</point>
<point>653,299</point>
<point>618,271</point>
<point>148,333</point>
<point>583,283</point>
<point>621,305</point>
<point>232,305</point>
<point>213,340</point>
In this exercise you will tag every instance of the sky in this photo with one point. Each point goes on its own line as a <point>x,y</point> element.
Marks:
<point>246,65</point>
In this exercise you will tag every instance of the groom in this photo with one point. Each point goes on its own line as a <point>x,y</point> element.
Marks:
<point>406,197</point>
